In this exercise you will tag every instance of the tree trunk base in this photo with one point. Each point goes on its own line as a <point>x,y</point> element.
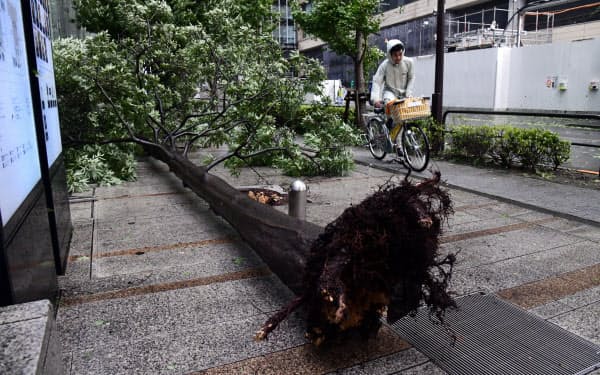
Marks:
<point>378,258</point>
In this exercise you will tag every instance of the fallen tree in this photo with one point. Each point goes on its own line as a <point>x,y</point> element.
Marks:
<point>379,257</point>
<point>137,81</point>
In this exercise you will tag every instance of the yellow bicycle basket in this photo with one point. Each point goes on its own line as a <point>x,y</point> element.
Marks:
<point>407,109</point>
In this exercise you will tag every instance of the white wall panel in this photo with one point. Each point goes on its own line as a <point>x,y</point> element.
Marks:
<point>533,67</point>
<point>470,77</point>
<point>526,78</point>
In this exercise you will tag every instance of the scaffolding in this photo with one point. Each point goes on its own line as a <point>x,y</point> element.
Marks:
<point>478,29</point>
<point>481,29</point>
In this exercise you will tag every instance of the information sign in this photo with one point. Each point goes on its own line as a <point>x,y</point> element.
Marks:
<point>42,41</point>
<point>19,161</point>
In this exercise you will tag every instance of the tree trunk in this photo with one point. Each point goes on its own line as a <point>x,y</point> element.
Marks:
<point>283,242</point>
<point>359,78</point>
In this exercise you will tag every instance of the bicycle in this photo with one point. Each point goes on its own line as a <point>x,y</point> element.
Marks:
<point>405,138</point>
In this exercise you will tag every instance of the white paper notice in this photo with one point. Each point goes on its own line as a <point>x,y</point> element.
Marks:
<point>43,53</point>
<point>19,163</point>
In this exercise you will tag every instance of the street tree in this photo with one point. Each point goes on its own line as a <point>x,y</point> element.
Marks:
<point>173,77</point>
<point>345,26</point>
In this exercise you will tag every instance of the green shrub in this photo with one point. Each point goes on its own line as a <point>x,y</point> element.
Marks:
<point>434,132</point>
<point>559,152</point>
<point>531,147</point>
<point>505,148</point>
<point>472,142</point>
<point>538,146</point>
<point>505,145</point>
<point>98,164</point>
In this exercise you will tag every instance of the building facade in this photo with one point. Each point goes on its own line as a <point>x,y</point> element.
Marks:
<point>468,25</point>
<point>285,31</point>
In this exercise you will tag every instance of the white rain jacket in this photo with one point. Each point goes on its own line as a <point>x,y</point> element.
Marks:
<point>391,80</point>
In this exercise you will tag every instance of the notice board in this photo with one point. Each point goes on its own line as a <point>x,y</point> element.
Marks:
<point>19,160</point>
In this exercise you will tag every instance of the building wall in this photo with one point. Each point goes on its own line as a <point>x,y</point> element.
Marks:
<point>417,9</point>
<point>579,31</point>
<point>469,78</point>
<point>422,9</point>
<point>525,78</point>
<point>63,20</point>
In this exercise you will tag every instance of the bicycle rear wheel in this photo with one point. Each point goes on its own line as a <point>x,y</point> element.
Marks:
<point>377,138</point>
<point>416,147</point>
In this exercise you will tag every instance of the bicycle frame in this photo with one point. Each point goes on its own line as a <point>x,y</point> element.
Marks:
<point>390,134</point>
<point>405,139</point>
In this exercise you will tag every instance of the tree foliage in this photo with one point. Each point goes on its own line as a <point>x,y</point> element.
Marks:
<point>339,23</point>
<point>179,75</point>
<point>345,26</point>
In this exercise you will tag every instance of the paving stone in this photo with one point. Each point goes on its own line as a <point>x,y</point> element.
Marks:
<point>81,240</point>
<point>490,278</point>
<point>389,364</point>
<point>497,247</point>
<point>463,222</point>
<point>28,339</point>
<point>427,368</point>
<point>551,309</point>
<point>78,269</point>
<point>566,258</point>
<point>582,321</point>
<point>108,210</point>
<point>22,342</point>
<point>155,234</point>
<point>209,259</point>
<point>583,298</point>
<point>81,209</point>
<point>203,347</point>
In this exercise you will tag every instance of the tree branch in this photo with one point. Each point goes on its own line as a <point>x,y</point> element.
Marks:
<point>72,142</point>
<point>120,117</point>
<point>243,157</point>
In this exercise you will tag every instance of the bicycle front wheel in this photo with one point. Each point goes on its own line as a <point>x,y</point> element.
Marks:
<point>416,147</point>
<point>377,138</point>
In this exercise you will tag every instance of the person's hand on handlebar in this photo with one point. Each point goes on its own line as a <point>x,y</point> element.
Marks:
<point>378,104</point>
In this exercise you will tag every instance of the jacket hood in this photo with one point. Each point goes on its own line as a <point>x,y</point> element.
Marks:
<point>391,44</point>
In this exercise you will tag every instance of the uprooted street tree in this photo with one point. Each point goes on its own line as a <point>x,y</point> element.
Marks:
<point>136,81</point>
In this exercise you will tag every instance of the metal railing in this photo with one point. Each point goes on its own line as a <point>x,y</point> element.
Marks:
<point>580,116</point>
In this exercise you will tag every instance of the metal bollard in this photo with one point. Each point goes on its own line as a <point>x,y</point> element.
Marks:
<point>297,200</point>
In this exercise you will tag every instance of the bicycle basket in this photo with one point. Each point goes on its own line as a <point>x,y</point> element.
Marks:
<point>409,108</point>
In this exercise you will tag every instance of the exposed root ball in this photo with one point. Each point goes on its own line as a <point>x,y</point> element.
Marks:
<point>379,255</point>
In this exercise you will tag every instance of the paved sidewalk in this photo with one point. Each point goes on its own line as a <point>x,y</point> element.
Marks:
<point>560,199</point>
<point>157,284</point>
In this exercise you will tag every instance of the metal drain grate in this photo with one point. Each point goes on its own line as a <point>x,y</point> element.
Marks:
<point>496,337</point>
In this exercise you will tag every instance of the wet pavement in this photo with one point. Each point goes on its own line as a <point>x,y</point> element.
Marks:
<point>157,284</point>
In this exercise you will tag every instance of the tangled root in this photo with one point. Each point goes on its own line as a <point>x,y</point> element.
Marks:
<point>378,257</point>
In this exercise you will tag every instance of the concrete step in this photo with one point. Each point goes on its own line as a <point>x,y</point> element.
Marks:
<point>29,340</point>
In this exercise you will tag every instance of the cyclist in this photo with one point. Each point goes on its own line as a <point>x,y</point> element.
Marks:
<point>395,76</point>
